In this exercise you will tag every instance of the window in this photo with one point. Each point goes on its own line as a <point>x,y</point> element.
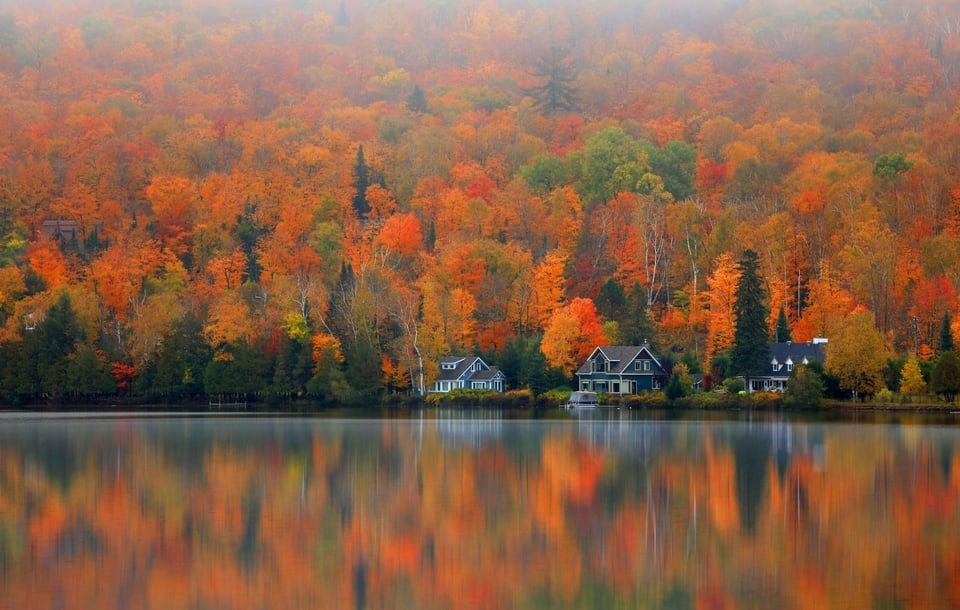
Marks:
<point>789,365</point>
<point>599,365</point>
<point>774,365</point>
<point>646,365</point>
<point>449,366</point>
<point>615,387</point>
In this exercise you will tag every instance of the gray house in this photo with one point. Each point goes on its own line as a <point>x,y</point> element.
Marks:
<point>467,372</point>
<point>784,358</point>
<point>621,369</point>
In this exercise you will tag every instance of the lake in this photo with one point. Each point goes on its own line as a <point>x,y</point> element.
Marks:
<point>466,510</point>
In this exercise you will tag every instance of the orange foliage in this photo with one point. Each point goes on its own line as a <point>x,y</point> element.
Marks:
<point>572,333</point>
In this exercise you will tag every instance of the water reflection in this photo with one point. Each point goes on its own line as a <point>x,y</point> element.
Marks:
<point>481,512</point>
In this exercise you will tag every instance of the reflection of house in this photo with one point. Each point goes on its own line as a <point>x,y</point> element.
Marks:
<point>783,359</point>
<point>620,369</point>
<point>467,372</point>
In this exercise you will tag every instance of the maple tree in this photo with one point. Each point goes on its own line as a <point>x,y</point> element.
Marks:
<point>572,333</point>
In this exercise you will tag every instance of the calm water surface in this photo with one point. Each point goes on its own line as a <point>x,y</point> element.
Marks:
<point>442,511</point>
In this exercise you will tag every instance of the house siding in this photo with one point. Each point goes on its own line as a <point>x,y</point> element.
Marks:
<point>615,370</point>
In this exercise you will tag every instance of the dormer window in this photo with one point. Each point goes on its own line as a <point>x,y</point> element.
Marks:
<point>449,366</point>
<point>789,364</point>
<point>599,365</point>
<point>774,365</point>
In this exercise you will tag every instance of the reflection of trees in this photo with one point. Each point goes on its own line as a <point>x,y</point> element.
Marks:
<point>220,513</point>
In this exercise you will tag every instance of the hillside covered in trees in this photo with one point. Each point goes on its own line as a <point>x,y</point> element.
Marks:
<point>322,197</point>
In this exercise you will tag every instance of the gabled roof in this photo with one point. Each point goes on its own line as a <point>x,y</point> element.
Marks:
<point>461,365</point>
<point>486,374</point>
<point>620,358</point>
<point>795,353</point>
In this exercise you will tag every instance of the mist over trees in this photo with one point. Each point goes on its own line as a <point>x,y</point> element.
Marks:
<point>321,198</point>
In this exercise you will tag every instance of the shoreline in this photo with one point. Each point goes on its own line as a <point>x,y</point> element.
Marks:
<point>396,405</point>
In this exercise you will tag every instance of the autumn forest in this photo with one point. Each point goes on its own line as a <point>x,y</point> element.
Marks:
<point>322,197</point>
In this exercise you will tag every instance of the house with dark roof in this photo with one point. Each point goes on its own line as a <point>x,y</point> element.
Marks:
<point>467,372</point>
<point>621,369</point>
<point>784,358</point>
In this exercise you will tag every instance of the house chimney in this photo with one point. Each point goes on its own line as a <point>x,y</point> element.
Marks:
<point>819,340</point>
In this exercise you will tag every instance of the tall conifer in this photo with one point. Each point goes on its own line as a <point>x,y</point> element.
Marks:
<point>750,350</point>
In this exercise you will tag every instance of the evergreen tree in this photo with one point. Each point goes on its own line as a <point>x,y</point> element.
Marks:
<point>557,93</point>
<point>240,373</point>
<point>342,19</point>
<point>675,388</point>
<point>87,375</point>
<point>612,301</point>
<point>946,334</point>
<point>635,326</point>
<point>750,350</point>
<point>945,378</point>
<point>361,181</point>
<point>781,334</point>
<point>417,101</point>
<point>58,334</point>
<point>178,371</point>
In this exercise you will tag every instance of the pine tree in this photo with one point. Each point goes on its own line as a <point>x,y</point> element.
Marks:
<point>557,94</point>
<point>635,325</point>
<point>750,349</point>
<point>361,181</point>
<point>781,334</point>
<point>417,102</point>
<point>946,334</point>
<point>342,20</point>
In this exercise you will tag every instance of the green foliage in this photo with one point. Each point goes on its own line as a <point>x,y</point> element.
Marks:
<point>676,388</point>
<point>545,174</point>
<point>690,360</point>
<point>612,300</point>
<point>946,334</point>
<point>676,164</point>
<point>804,388</point>
<point>292,368</point>
<point>362,179</point>
<point>781,332</point>
<point>525,366</point>
<point>945,379</point>
<point>88,375</point>
<point>611,162</point>
<point>891,166</point>
<point>750,348</point>
<point>721,367</point>
<point>733,385</point>
<point>179,368</point>
<point>417,101</point>
<point>239,372</point>
<point>635,323</point>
